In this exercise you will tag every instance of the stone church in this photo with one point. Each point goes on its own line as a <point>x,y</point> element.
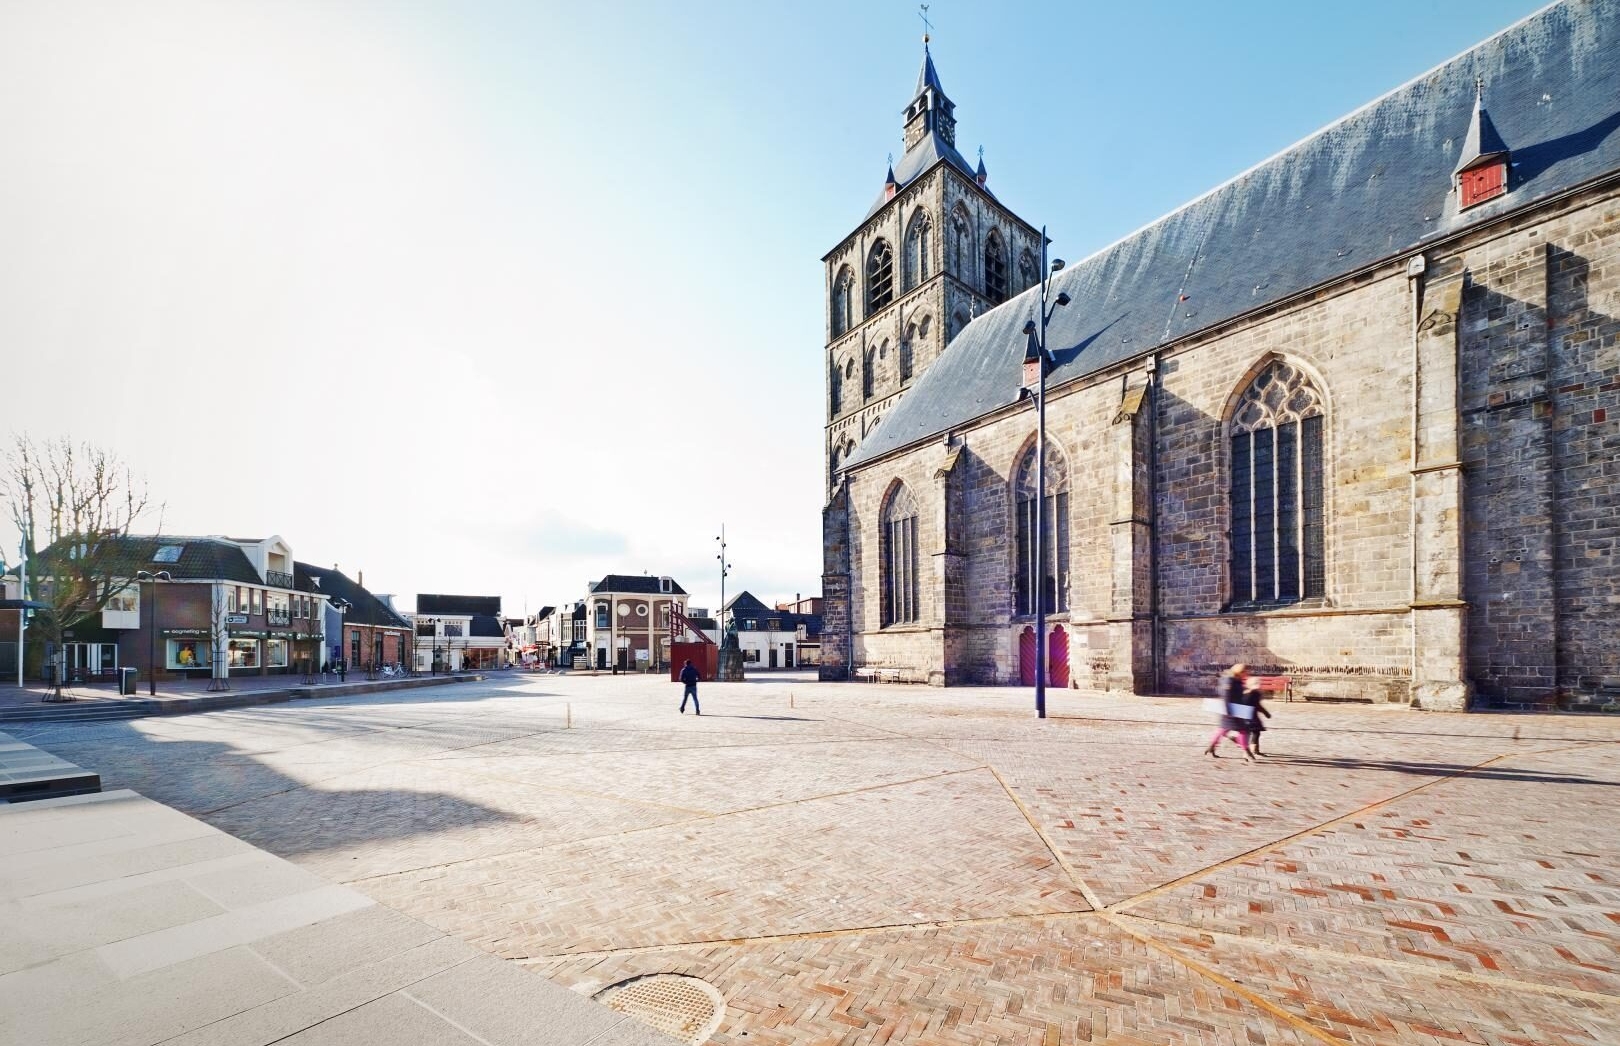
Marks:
<point>1352,416</point>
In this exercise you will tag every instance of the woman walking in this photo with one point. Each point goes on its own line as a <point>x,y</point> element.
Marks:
<point>1236,710</point>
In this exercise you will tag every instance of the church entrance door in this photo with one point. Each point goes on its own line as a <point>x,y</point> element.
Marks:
<point>1058,657</point>
<point>1026,656</point>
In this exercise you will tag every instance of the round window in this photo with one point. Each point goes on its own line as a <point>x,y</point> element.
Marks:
<point>641,610</point>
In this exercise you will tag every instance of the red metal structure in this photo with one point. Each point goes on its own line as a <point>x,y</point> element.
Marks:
<point>704,654</point>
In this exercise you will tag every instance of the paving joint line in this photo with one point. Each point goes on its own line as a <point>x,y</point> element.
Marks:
<point>1327,954</point>
<point>1287,1016</point>
<point>667,824</point>
<point>1276,844</point>
<point>1085,890</point>
<point>805,935</point>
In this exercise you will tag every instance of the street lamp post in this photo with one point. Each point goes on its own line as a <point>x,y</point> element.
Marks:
<point>725,568</point>
<point>151,640</point>
<point>1037,361</point>
<point>341,605</point>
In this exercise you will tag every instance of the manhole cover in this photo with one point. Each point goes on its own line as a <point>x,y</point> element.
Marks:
<point>685,1007</point>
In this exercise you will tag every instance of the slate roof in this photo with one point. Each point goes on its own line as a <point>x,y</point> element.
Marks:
<point>458,605</point>
<point>364,608</point>
<point>745,602</point>
<point>1373,186</point>
<point>200,559</point>
<point>638,583</point>
<point>486,626</point>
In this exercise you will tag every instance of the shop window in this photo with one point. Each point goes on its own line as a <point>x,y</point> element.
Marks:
<point>188,653</point>
<point>275,653</point>
<point>243,653</point>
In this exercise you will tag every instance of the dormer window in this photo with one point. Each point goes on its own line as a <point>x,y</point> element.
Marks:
<point>1482,164</point>
<point>1478,184</point>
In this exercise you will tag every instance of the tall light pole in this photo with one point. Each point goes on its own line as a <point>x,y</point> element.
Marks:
<point>151,639</point>
<point>341,605</point>
<point>1037,361</point>
<point>725,568</point>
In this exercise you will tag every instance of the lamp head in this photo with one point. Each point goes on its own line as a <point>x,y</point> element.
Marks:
<point>1029,328</point>
<point>1057,264</point>
<point>1063,298</point>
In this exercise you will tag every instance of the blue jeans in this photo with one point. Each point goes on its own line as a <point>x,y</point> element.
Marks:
<point>691,691</point>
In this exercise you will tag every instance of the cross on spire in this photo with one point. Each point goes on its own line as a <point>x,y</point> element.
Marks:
<point>928,27</point>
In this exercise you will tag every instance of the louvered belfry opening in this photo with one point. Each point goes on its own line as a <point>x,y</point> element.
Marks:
<point>879,276</point>
<point>1276,497</point>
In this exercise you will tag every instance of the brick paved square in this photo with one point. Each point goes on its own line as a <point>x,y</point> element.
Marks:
<point>888,864</point>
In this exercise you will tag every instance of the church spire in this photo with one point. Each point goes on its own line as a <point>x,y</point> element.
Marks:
<point>1482,142</point>
<point>930,111</point>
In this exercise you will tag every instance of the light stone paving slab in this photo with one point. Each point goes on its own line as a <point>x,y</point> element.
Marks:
<point>155,944</point>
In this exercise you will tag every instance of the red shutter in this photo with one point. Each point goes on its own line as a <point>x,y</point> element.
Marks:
<point>1483,183</point>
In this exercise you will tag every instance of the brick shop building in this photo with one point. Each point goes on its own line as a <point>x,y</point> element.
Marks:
<point>1352,416</point>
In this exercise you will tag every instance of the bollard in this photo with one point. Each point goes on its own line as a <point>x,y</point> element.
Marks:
<point>790,699</point>
<point>570,724</point>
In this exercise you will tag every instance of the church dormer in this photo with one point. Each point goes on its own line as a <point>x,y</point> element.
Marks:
<point>930,110</point>
<point>1482,167</point>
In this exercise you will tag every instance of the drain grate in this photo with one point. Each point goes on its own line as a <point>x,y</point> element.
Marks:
<point>684,1007</point>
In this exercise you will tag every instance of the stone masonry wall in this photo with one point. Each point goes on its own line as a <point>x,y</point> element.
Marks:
<point>1526,316</point>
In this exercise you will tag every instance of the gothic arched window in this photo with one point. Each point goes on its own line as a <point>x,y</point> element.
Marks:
<point>995,268</point>
<point>843,300</point>
<point>869,375</point>
<point>1053,565</point>
<point>1028,271</point>
<point>836,390</point>
<point>906,350</point>
<point>899,557</point>
<point>1277,518</point>
<point>919,249</point>
<point>879,276</point>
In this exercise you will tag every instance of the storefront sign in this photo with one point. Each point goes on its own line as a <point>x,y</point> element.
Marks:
<point>236,619</point>
<point>185,631</point>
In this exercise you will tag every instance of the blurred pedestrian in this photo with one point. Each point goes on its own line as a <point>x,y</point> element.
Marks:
<point>689,676</point>
<point>1236,710</point>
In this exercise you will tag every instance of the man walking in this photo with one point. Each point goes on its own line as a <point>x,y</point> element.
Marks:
<point>689,676</point>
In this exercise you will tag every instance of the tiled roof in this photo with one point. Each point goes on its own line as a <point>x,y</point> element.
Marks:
<point>1374,186</point>
<point>364,608</point>
<point>197,558</point>
<point>636,583</point>
<point>427,603</point>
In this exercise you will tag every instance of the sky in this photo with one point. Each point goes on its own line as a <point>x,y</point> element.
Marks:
<point>496,297</point>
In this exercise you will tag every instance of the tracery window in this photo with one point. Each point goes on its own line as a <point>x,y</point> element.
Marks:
<point>899,557</point>
<point>842,301</point>
<point>869,375</point>
<point>1052,568</point>
<point>879,276</point>
<point>995,268</point>
<point>1276,500</point>
<point>962,261</point>
<point>919,245</point>
<point>836,381</point>
<point>1028,271</point>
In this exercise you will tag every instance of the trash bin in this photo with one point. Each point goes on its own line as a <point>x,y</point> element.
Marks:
<point>126,682</point>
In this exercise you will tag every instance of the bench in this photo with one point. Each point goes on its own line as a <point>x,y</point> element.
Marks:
<point>1275,685</point>
<point>873,674</point>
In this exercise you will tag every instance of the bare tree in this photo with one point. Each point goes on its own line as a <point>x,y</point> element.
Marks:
<point>73,504</point>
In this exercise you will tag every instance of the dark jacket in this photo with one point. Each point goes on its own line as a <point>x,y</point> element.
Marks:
<point>689,674</point>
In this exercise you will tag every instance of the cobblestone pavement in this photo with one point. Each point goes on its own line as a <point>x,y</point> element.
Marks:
<point>862,864</point>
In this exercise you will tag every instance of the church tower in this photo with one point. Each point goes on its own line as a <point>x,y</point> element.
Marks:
<point>935,249</point>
